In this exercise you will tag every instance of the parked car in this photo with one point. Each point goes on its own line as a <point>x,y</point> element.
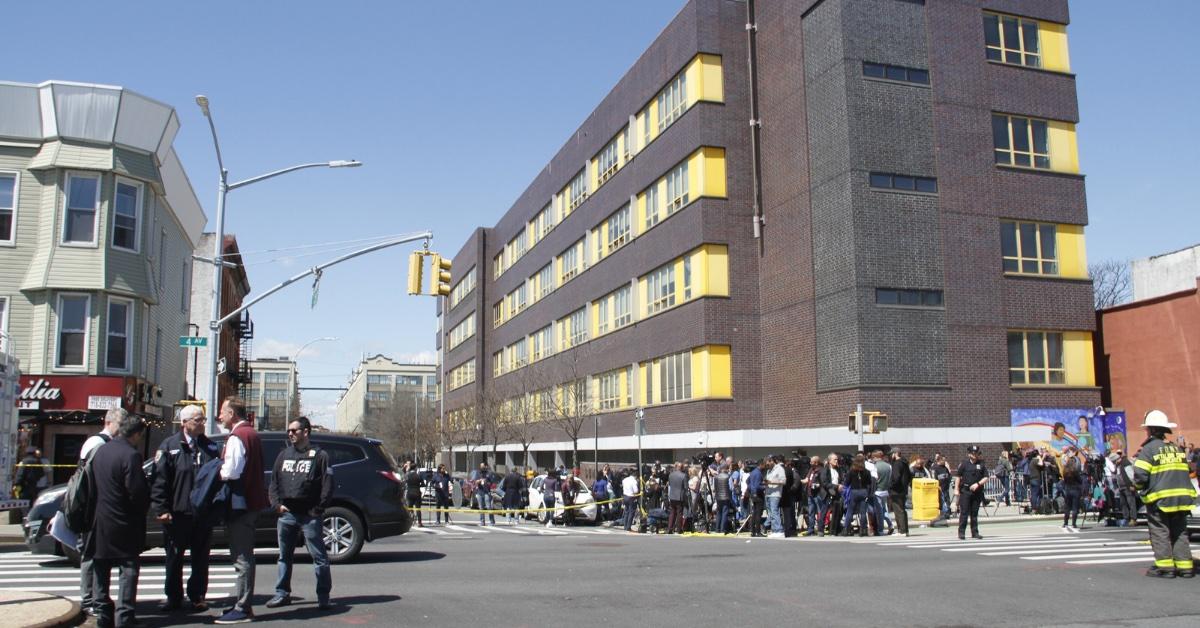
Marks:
<point>368,500</point>
<point>583,498</point>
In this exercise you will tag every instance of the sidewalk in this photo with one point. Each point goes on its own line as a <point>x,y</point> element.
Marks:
<point>11,537</point>
<point>38,610</point>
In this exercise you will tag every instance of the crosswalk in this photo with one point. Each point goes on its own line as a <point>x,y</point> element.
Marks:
<point>23,571</point>
<point>1070,549</point>
<point>468,529</point>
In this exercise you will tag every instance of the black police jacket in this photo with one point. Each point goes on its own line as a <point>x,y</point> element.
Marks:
<point>302,480</point>
<point>175,466</point>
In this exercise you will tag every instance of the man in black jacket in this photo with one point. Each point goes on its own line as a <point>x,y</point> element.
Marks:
<point>175,464</point>
<point>121,498</point>
<point>301,489</point>
<point>513,487</point>
<point>898,491</point>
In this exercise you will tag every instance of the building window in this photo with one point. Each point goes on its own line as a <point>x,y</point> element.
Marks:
<point>579,326</point>
<point>895,73</point>
<point>577,190</point>
<point>608,161</point>
<point>462,288</point>
<point>82,208</point>
<point>378,396</point>
<point>1029,248</point>
<point>675,376</point>
<point>545,281</point>
<point>903,182</point>
<point>622,307</point>
<point>677,188</point>
<point>498,313</point>
<point>462,331</point>
<point>498,265</point>
<point>1020,141</point>
<point>8,207</point>
<point>120,322</point>
<point>520,354</point>
<point>1012,40</point>
<point>652,201</point>
<point>515,301</point>
<point>617,229</point>
<point>672,101</point>
<point>541,343</point>
<point>127,213</point>
<point>185,285</point>
<point>569,262</point>
<point>660,289</point>
<point>74,312</point>
<point>276,377</point>
<point>908,298</point>
<point>1036,357</point>
<point>610,390</point>
<point>462,374</point>
<point>379,380</point>
<point>515,249</point>
<point>275,394</point>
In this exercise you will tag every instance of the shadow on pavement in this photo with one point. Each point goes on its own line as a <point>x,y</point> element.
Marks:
<point>307,609</point>
<point>370,558</point>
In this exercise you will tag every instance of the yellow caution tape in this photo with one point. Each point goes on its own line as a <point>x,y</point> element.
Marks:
<point>522,510</point>
<point>22,464</point>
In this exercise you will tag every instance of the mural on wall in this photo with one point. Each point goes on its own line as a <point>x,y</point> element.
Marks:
<point>1070,427</point>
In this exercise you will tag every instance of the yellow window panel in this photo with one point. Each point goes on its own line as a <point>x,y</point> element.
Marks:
<point>713,270</point>
<point>1064,150</point>
<point>1072,253</point>
<point>712,172</point>
<point>1078,358</point>
<point>1055,55</point>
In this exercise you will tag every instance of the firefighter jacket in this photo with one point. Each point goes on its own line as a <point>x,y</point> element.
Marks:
<point>1160,474</point>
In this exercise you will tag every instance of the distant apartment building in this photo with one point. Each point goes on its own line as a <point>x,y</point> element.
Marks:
<point>900,226</point>
<point>272,382</point>
<point>98,222</point>
<point>1148,356</point>
<point>236,336</point>
<point>379,384</point>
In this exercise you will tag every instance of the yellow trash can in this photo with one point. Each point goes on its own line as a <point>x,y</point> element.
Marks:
<point>925,499</point>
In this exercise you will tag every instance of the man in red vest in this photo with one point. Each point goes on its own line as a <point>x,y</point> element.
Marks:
<point>242,470</point>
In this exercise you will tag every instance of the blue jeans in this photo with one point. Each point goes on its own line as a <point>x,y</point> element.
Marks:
<point>1004,484</point>
<point>290,526</point>
<point>1035,494</point>
<point>880,504</point>
<point>483,499</point>
<point>631,505</point>
<point>724,510</point>
<point>858,505</point>
<point>776,524</point>
<point>817,507</point>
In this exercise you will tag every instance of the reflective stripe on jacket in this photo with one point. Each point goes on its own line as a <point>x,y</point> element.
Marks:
<point>1161,475</point>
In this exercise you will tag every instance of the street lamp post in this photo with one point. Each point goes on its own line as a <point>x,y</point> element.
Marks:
<point>223,188</point>
<point>287,414</point>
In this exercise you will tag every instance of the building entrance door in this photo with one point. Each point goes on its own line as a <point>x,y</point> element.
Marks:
<point>66,452</point>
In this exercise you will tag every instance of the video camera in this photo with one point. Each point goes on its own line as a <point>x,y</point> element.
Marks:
<point>704,458</point>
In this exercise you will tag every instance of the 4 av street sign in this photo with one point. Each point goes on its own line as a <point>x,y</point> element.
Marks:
<point>193,341</point>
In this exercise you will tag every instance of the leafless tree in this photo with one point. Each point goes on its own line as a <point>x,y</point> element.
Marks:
<point>571,404</point>
<point>1111,283</point>
<point>406,423</point>
<point>493,419</point>
<point>533,408</point>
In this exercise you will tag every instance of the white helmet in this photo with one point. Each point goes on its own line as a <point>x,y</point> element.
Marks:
<point>1158,418</point>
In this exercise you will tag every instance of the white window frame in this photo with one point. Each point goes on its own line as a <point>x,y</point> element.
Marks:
<point>129,322</point>
<point>137,215</point>
<point>95,241</point>
<point>16,202</point>
<point>677,188</point>
<point>185,287</point>
<point>618,221</point>
<point>660,288</point>
<point>622,316</point>
<point>5,306</point>
<point>87,331</point>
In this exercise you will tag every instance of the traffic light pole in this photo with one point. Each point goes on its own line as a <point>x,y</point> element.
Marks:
<point>316,270</point>
<point>858,419</point>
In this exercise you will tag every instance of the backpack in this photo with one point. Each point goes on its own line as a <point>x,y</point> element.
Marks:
<point>77,504</point>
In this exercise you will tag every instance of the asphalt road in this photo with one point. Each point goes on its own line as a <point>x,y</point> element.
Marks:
<point>1020,574</point>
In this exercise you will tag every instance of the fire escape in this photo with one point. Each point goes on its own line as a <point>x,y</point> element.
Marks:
<point>244,332</point>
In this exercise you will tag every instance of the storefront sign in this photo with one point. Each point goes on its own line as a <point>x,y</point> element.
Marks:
<point>103,402</point>
<point>62,393</point>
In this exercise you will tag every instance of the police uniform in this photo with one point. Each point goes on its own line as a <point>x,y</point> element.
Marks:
<point>969,501</point>
<point>1161,476</point>
<point>175,466</point>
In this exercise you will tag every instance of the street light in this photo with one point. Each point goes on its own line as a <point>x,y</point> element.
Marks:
<point>223,188</point>
<point>287,414</point>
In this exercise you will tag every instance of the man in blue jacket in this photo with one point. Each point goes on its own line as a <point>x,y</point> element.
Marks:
<point>755,488</point>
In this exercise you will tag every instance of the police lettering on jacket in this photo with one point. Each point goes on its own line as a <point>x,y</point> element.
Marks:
<point>302,481</point>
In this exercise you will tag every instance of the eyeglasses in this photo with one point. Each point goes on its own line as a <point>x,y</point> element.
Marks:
<point>296,430</point>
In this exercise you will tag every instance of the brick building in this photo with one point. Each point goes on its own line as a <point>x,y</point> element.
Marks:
<point>902,228</point>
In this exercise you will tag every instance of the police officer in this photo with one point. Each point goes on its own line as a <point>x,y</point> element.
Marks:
<point>301,489</point>
<point>1161,476</point>
<point>175,465</point>
<point>971,475</point>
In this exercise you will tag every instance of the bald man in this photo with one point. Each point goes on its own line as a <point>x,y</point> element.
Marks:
<point>178,458</point>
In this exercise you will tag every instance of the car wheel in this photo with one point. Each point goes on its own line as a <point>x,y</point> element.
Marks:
<point>71,553</point>
<point>344,534</point>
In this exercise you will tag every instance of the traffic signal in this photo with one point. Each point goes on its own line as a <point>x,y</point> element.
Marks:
<point>853,423</point>
<point>878,422</point>
<point>439,280</point>
<point>416,262</point>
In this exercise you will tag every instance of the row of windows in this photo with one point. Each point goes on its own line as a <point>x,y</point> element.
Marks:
<point>703,171</point>
<point>913,298</point>
<point>701,272</point>
<point>462,288</point>
<point>895,73</point>
<point>81,210</point>
<point>73,313</point>
<point>461,331</point>
<point>700,80</point>
<point>903,182</point>
<point>461,375</point>
<point>1026,42</point>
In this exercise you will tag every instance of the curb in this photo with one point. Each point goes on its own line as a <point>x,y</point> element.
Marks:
<point>70,618</point>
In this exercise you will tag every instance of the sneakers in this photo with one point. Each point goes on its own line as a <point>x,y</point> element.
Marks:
<point>279,600</point>
<point>775,535</point>
<point>235,617</point>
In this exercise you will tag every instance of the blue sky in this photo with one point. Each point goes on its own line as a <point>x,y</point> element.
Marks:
<point>455,107</point>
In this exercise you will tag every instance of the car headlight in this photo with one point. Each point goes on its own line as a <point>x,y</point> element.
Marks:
<point>48,496</point>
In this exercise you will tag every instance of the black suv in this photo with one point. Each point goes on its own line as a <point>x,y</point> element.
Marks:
<point>368,500</point>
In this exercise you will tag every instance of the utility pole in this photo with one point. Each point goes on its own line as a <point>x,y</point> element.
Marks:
<point>858,420</point>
